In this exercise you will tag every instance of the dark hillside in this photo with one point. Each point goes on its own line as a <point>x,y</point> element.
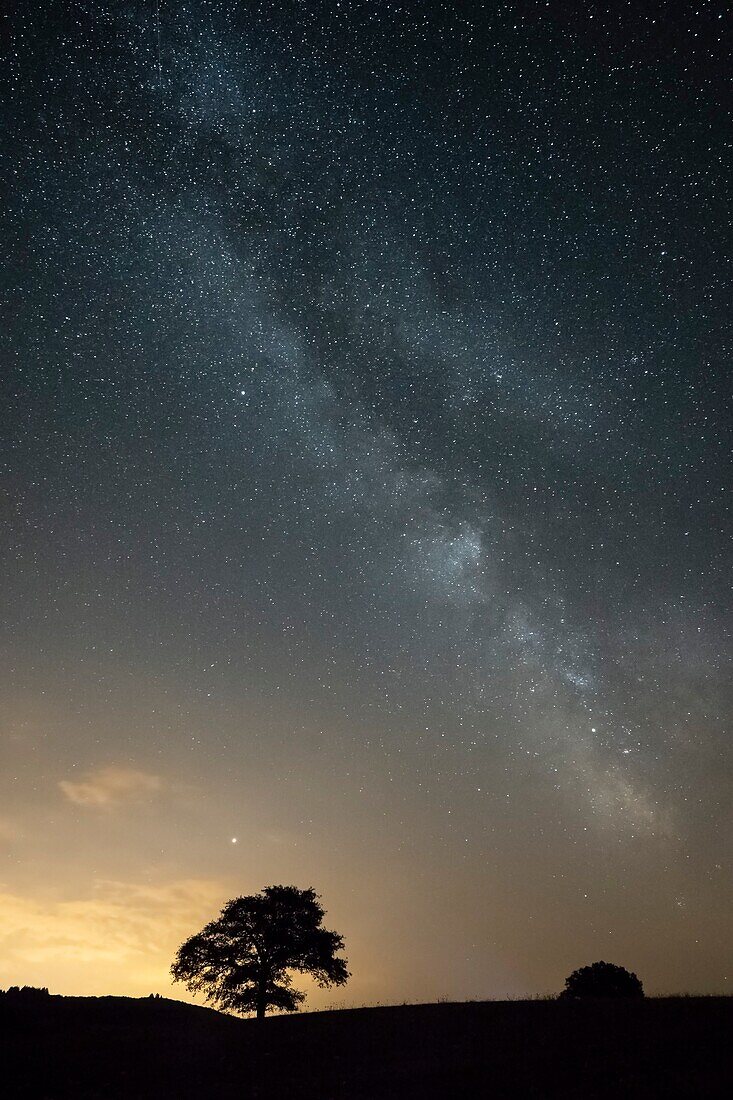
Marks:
<point>118,1047</point>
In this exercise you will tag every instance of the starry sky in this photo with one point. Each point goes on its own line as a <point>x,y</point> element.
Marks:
<point>364,488</point>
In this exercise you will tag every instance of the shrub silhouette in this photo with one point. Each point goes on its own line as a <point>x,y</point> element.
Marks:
<point>602,979</point>
<point>26,993</point>
<point>241,961</point>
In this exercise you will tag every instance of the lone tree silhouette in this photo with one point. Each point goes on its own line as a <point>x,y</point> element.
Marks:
<point>241,961</point>
<point>602,979</point>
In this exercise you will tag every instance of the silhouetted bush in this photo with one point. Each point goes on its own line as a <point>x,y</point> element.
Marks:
<point>25,993</point>
<point>602,979</point>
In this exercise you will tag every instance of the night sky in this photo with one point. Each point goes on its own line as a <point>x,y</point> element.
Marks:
<point>364,495</point>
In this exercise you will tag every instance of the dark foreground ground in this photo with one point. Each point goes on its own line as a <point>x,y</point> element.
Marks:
<point>113,1047</point>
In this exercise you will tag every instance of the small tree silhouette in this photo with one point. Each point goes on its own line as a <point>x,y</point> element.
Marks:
<point>29,993</point>
<point>602,979</point>
<point>241,960</point>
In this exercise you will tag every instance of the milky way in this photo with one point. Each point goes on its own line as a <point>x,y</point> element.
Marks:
<point>365,454</point>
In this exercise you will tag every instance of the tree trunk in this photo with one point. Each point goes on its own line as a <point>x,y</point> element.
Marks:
<point>261,999</point>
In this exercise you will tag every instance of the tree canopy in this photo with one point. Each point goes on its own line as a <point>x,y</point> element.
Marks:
<point>602,979</point>
<point>243,960</point>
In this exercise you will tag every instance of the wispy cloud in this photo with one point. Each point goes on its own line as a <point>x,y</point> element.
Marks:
<point>122,936</point>
<point>110,786</point>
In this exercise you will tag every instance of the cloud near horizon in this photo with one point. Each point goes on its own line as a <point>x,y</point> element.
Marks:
<point>110,786</point>
<point>120,938</point>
